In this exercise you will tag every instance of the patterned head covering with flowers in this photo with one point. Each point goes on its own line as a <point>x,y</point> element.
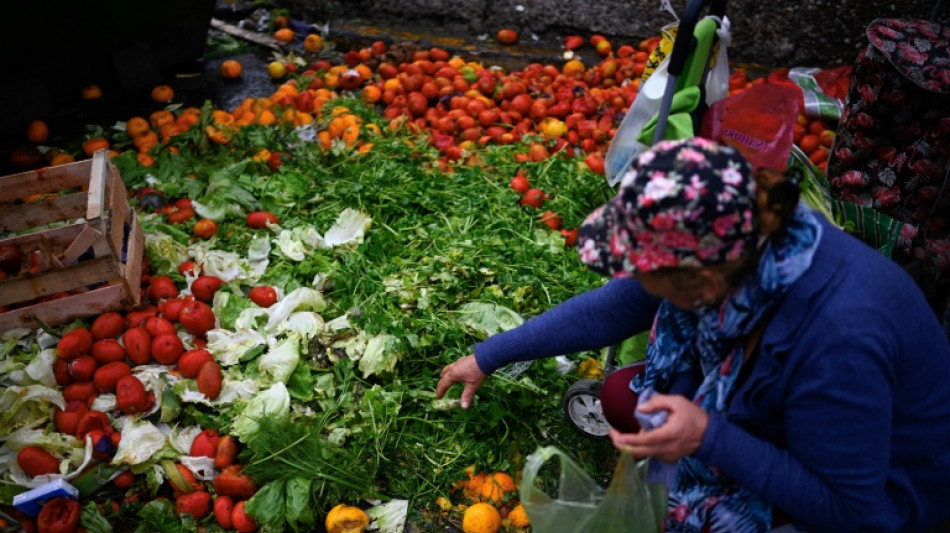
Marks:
<point>687,203</point>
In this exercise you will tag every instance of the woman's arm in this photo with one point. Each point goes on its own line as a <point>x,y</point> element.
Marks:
<point>588,321</point>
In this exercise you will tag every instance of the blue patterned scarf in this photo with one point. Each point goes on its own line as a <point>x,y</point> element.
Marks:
<point>703,499</point>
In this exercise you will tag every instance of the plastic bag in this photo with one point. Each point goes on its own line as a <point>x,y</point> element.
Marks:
<point>625,146</point>
<point>758,122</point>
<point>628,505</point>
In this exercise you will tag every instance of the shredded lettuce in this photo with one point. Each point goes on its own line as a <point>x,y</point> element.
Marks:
<point>278,363</point>
<point>380,356</point>
<point>272,402</point>
<point>140,441</point>
<point>27,406</point>
<point>349,228</point>
<point>227,347</point>
<point>389,517</point>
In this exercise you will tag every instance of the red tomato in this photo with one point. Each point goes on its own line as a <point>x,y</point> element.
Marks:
<point>107,326</point>
<point>75,343</point>
<point>223,506</point>
<point>197,504</point>
<point>130,395</point>
<point>156,325</point>
<point>520,184</point>
<point>570,236</point>
<point>241,521</point>
<point>108,351</point>
<point>59,515</point>
<point>138,345</point>
<point>196,317</point>
<point>205,444</point>
<point>190,362</point>
<point>67,420</point>
<point>227,452</point>
<point>109,374</point>
<point>167,348</point>
<point>533,198</point>
<point>263,295</point>
<point>36,461</point>
<point>171,309</point>
<point>162,287</point>
<point>61,372</point>
<point>82,367</point>
<point>82,391</point>
<point>124,480</point>
<point>209,379</point>
<point>92,420</point>
<point>205,228</point>
<point>551,219</point>
<point>189,266</point>
<point>260,219</point>
<point>205,286</point>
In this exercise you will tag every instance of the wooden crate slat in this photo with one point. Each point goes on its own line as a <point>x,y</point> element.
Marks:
<point>27,287</point>
<point>80,244</point>
<point>119,210</point>
<point>100,300</point>
<point>132,268</point>
<point>45,180</point>
<point>59,238</point>
<point>23,216</point>
<point>97,186</point>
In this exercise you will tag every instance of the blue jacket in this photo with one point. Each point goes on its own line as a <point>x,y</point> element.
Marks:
<point>843,421</point>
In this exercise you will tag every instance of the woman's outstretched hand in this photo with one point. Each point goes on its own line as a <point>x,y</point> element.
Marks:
<point>680,436</point>
<point>465,371</point>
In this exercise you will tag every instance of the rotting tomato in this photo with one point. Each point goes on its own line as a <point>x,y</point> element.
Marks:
<point>227,452</point>
<point>130,395</point>
<point>190,362</point>
<point>205,444</point>
<point>263,295</point>
<point>520,184</point>
<point>92,420</point>
<point>205,286</point>
<point>209,379</point>
<point>196,317</point>
<point>107,326</point>
<point>67,420</point>
<point>107,351</point>
<point>83,367</point>
<point>124,480</point>
<point>109,374</point>
<point>156,325</point>
<point>223,506</point>
<point>205,228</point>
<point>59,515</point>
<point>241,521</point>
<point>162,287</point>
<point>76,342</point>
<point>138,345</point>
<point>167,348</point>
<point>197,504</point>
<point>36,461</point>
<point>533,198</point>
<point>260,219</point>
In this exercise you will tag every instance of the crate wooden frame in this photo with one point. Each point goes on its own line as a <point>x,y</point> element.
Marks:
<point>89,219</point>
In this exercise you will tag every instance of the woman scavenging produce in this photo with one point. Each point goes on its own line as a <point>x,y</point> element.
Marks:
<point>804,375</point>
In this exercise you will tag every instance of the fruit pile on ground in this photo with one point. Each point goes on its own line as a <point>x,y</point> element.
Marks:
<point>314,257</point>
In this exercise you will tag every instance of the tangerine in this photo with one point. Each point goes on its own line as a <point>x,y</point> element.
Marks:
<point>481,518</point>
<point>230,69</point>
<point>162,93</point>
<point>37,131</point>
<point>284,35</point>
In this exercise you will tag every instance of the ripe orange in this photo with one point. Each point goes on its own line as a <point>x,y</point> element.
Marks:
<point>230,69</point>
<point>91,92</point>
<point>284,35</point>
<point>90,146</point>
<point>809,143</point>
<point>313,43</point>
<point>481,518</point>
<point>162,93</point>
<point>507,36</point>
<point>37,131</point>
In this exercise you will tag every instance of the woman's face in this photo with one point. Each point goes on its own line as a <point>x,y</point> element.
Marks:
<point>688,290</point>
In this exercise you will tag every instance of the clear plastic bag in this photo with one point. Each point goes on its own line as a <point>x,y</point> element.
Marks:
<point>625,146</point>
<point>629,504</point>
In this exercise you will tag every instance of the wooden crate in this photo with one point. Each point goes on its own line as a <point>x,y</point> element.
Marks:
<point>86,241</point>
